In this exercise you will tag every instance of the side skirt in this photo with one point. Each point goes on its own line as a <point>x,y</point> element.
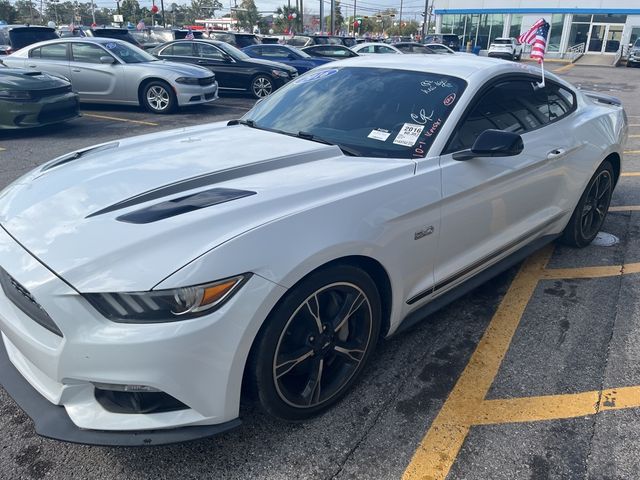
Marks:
<point>421,313</point>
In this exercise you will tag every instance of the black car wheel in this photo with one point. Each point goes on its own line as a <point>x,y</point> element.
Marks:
<point>316,343</point>
<point>262,86</point>
<point>589,215</point>
<point>158,97</point>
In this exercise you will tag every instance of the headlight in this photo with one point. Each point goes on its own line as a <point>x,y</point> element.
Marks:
<point>166,305</point>
<point>188,80</point>
<point>280,73</point>
<point>15,95</point>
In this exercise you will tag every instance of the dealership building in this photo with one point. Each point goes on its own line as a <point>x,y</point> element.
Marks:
<point>593,26</point>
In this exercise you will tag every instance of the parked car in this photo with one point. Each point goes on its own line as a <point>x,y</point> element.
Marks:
<point>234,69</point>
<point>15,37</point>
<point>33,99</point>
<point>375,48</point>
<point>451,41</point>
<point>634,54</point>
<point>301,61</point>
<point>413,47</point>
<point>165,273</point>
<point>106,70</point>
<point>152,37</point>
<point>307,40</point>
<point>238,40</point>
<point>508,48</point>
<point>440,48</point>
<point>336,52</point>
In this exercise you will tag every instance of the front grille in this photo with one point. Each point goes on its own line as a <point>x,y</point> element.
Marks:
<point>49,92</point>
<point>22,299</point>
<point>207,81</point>
<point>58,112</point>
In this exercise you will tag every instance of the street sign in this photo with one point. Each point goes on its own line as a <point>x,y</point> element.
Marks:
<point>118,18</point>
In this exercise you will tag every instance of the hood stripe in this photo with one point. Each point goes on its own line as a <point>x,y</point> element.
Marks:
<point>212,178</point>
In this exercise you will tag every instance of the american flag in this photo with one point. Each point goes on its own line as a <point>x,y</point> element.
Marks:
<point>140,25</point>
<point>536,36</point>
<point>189,35</point>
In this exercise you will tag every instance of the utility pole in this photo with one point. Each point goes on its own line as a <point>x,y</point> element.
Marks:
<point>354,16</point>
<point>400,20</point>
<point>321,16</point>
<point>301,16</point>
<point>93,11</point>
<point>426,15</point>
<point>333,17</point>
<point>164,24</point>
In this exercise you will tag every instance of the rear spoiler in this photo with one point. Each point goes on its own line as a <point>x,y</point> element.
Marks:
<point>602,98</point>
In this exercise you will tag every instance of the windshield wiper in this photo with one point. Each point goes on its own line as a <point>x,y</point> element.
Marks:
<point>240,121</point>
<point>314,138</point>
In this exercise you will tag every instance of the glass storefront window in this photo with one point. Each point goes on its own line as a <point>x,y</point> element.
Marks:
<point>516,25</point>
<point>555,35</point>
<point>579,33</point>
<point>447,24</point>
<point>609,18</point>
<point>497,26</point>
<point>582,18</point>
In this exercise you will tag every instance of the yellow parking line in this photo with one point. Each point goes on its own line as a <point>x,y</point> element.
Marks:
<point>590,272</point>
<point>2,149</point>
<point>630,174</point>
<point>440,446</point>
<point>106,117</point>
<point>632,152</point>
<point>625,208</point>
<point>634,136</point>
<point>565,68</point>
<point>555,407</point>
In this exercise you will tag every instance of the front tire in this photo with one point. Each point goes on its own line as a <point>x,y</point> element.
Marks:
<point>315,343</point>
<point>158,97</point>
<point>262,86</point>
<point>589,215</point>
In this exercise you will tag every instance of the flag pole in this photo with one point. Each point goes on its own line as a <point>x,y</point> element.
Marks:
<point>542,66</point>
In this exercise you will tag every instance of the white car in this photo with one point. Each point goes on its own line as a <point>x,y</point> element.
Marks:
<point>372,48</point>
<point>147,281</point>
<point>440,48</point>
<point>507,48</point>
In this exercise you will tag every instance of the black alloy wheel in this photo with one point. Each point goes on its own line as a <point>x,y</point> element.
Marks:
<point>591,211</point>
<point>316,342</point>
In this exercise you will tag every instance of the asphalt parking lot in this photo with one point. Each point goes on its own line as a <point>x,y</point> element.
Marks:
<point>534,375</point>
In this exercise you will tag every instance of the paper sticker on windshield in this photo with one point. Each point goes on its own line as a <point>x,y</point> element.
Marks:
<point>311,77</point>
<point>408,135</point>
<point>379,134</point>
<point>110,46</point>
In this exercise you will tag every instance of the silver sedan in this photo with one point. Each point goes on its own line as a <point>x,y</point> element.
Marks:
<point>104,70</point>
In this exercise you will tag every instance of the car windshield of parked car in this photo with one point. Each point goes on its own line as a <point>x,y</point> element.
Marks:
<point>374,112</point>
<point>233,52</point>
<point>129,53</point>
<point>637,44</point>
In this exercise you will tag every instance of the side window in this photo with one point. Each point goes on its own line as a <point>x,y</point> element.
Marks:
<point>182,49</point>
<point>561,102</point>
<point>57,51</point>
<point>383,49</point>
<point>367,49</point>
<point>210,52</point>
<point>276,52</point>
<point>35,53</point>
<point>87,53</point>
<point>515,106</point>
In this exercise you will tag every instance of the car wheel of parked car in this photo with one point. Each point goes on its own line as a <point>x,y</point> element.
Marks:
<point>158,97</point>
<point>262,86</point>
<point>589,215</point>
<point>316,342</point>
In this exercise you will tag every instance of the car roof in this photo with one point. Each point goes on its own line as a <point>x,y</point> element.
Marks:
<point>38,27</point>
<point>406,43</point>
<point>327,45</point>
<point>461,66</point>
<point>366,44</point>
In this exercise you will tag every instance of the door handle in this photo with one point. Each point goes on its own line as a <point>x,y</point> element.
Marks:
<point>76,70</point>
<point>556,153</point>
<point>32,66</point>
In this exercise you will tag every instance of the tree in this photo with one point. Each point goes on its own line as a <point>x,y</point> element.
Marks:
<point>248,15</point>
<point>339,19</point>
<point>27,12</point>
<point>8,13</point>
<point>204,8</point>
<point>281,25</point>
<point>130,10</point>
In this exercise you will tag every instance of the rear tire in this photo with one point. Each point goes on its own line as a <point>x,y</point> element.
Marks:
<point>591,211</point>
<point>315,343</point>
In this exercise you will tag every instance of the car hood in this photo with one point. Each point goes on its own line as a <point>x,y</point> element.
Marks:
<point>180,69</point>
<point>16,78</point>
<point>69,212</point>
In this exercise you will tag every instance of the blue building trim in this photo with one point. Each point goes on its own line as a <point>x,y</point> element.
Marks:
<point>601,11</point>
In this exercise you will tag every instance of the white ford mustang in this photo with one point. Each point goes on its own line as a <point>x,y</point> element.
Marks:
<point>148,282</point>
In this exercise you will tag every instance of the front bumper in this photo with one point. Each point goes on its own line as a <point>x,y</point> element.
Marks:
<point>46,111</point>
<point>196,94</point>
<point>498,54</point>
<point>198,362</point>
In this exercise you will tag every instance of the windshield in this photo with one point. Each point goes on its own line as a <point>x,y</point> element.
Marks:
<point>129,53</point>
<point>637,44</point>
<point>376,112</point>
<point>349,42</point>
<point>328,41</point>
<point>502,41</point>
<point>233,51</point>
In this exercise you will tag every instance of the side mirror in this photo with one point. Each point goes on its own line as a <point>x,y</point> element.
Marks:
<point>107,59</point>
<point>493,143</point>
